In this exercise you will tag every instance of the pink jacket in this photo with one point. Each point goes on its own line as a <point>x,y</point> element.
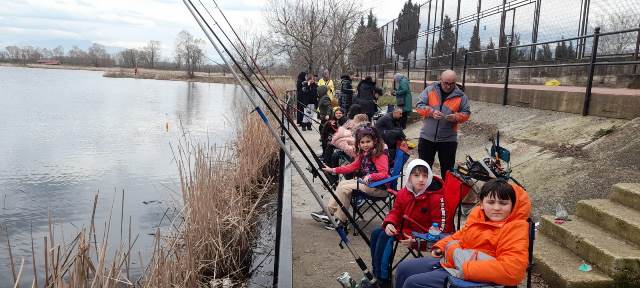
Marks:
<point>344,140</point>
<point>381,162</point>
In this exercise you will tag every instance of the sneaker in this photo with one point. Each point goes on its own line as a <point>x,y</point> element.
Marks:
<point>360,201</point>
<point>329,226</point>
<point>320,217</point>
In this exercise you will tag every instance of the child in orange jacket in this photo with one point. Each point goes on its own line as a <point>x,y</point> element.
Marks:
<point>492,246</point>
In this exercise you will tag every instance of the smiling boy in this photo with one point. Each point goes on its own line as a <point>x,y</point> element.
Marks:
<point>492,246</point>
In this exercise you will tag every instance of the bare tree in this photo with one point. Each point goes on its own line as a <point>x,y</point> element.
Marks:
<point>298,27</point>
<point>128,58</point>
<point>617,44</point>
<point>58,52</point>
<point>189,51</point>
<point>340,33</point>
<point>258,47</point>
<point>14,53</point>
<point>151,53</point>
<point>98,55</point>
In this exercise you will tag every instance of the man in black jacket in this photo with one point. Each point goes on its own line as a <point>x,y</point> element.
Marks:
<point>367,96</point>
<point>390,128</point>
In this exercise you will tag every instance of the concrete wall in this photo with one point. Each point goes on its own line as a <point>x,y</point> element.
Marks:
<point>612,103</point>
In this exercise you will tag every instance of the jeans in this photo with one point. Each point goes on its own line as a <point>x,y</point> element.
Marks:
<point>420,273</point>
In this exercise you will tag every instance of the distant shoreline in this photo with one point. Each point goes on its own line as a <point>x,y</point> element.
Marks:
<point>144,73</point>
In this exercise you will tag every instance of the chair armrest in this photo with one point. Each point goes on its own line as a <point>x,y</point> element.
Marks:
<point>383,181</point>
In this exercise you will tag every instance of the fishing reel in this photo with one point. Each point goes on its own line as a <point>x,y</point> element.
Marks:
<point>495,166</point>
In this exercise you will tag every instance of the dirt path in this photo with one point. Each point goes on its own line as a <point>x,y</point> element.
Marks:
<point>558,157</point>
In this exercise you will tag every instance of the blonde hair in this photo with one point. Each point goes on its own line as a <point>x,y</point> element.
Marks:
<point>357,120</point>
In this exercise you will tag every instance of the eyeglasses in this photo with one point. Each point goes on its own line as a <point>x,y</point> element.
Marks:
<point>448,83</point>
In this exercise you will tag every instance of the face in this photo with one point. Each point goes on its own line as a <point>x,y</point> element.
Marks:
<point>397,114</point>
<point>418,180</point>
<point>496,209</point>
<point>325,74</point>
<point>448,82</point>
<point>339,114</point>
<point>366,143</point>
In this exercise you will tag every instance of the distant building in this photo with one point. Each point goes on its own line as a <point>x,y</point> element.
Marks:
<point>48,62</point>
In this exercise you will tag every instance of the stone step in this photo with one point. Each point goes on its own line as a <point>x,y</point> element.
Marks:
<point>559,267</point>
<point>612,216</point>
<point>617,258</point>
<point>627,194</point>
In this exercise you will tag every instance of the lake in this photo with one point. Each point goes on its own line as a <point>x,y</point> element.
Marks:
<point>66,134</point>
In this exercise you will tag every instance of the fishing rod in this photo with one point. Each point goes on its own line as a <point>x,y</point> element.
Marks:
<point>339,229</point>
<point>241,55</point>
<point>314,170</point>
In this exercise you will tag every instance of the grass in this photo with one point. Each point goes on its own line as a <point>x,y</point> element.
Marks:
<point>223,189</point>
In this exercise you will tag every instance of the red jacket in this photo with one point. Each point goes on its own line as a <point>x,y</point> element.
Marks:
<point>381,166</point>
<point>425,209</point>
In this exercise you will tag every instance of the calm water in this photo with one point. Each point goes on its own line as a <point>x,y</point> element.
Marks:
<point>64,135</point>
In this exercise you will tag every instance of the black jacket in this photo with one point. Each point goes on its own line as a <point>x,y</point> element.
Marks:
<point>346,92</point>
<point>367,91</point>
<point>390,130</point>
<point>310,95</point>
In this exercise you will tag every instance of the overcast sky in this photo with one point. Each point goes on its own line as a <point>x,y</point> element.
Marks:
<point>127,23</point>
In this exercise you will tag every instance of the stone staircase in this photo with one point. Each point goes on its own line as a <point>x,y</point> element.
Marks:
<point>604,233</point>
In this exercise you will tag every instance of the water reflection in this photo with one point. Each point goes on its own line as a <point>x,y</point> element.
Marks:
<point>65,135</point>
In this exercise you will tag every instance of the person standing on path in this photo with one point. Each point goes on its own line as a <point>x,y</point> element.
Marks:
<point>443,106</point>
<point>310,101</point>
<point>403,97</point>
<point>326,81</point>
<point>300,83</point>
<point>367,96</point>
<point>346,91</point>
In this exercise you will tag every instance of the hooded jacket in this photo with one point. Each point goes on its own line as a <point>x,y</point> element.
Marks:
<point>486,251</point>
<point>442,130</point>
<point>367,91</point>
<point>423,207</point>
<point>346,92</point>
<point>379,169</point>
<point>403,95</point>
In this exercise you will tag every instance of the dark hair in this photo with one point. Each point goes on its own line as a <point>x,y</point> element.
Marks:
<point>302,76</point>
<point>420,169</point>
<point>354,110</point>
<point>368,78</point>
<point>368,130</point>
<point>499,189</point>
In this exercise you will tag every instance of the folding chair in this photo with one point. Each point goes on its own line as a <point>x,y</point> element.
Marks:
<point>372,203</point>
<point>453,282</point>
<point>455,190</point>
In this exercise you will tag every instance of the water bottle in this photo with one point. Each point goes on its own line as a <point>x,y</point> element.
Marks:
<point>434,232</point>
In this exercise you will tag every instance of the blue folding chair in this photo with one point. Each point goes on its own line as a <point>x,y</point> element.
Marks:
<point>362,202</point>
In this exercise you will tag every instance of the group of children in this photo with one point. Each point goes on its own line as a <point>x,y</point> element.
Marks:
<point>492,246</point>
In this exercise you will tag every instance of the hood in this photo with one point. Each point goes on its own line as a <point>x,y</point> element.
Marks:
<point>521,210</point>
<point>407,171</point>
<point>322,91</point>
<point>345,77</point>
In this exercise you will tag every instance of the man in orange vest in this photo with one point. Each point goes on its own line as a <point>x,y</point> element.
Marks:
<point>443,106</point>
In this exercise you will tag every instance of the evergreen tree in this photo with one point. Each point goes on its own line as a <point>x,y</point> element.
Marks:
<point>406,33</point>
<point>474,45</point>
<point>544,53</point>
<point>571,52</point>
<point>516,55</point>
<point>372,22</point>
<point>561,51</point>
<point>490,57</point>
<point>446,43</point>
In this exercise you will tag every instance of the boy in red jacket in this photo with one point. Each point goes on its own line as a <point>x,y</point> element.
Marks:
<point>421,200</point>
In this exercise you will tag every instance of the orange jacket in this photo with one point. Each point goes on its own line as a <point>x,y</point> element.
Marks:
<point>505,242</point>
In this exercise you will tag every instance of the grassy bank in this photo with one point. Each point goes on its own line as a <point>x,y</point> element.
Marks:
<point>210,239</point>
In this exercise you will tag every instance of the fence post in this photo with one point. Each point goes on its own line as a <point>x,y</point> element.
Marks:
<point>453,59</point>
<point>425,71</point>
<point>395,69</point>
<point>375,72</point>
<point>382,75</point>
<point>506,74</point>
<point>464,70</point>
<point>592,68</point>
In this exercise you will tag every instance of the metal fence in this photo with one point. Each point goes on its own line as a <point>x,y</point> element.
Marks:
<point>485,40</point>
